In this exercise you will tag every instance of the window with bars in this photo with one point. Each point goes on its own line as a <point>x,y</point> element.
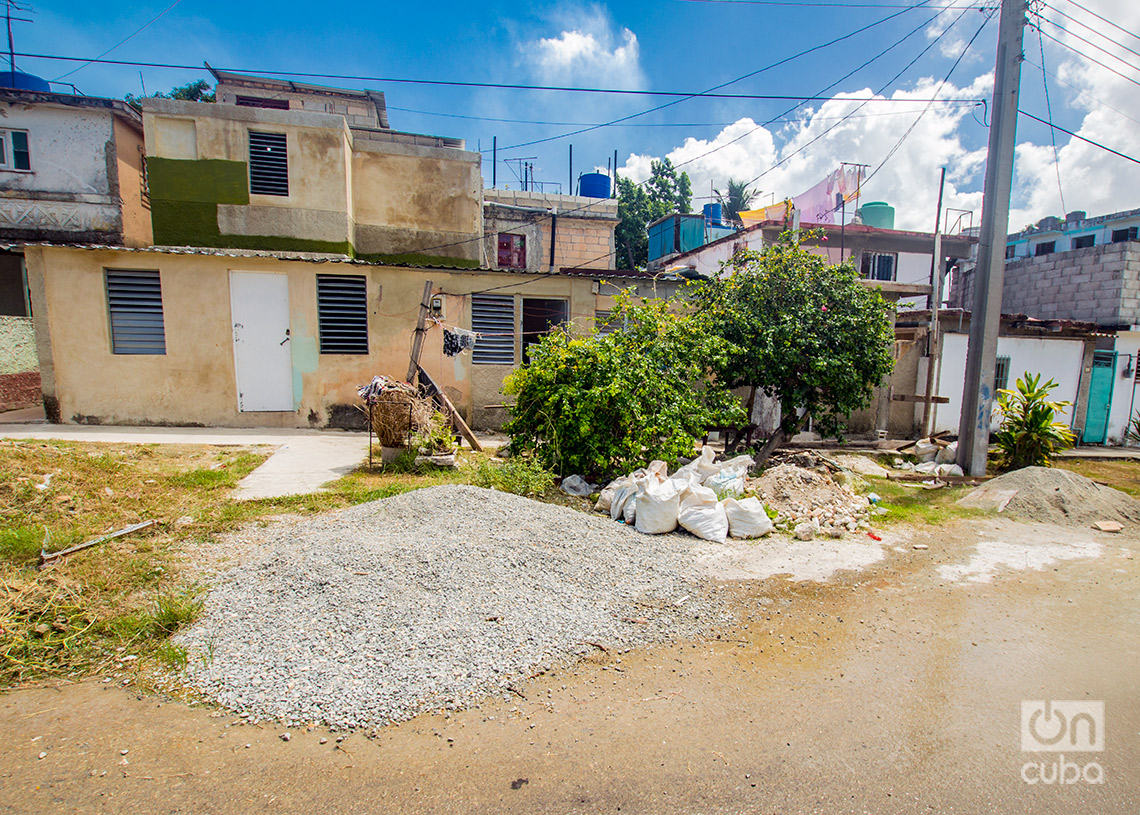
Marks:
<point>1122,235</point>
<point>1010,251</point>
<point>1046,248</point>
<point>268,164</point>
<point>879,265</point>
<point>1084,241</point>
<point>493,319</point>
<point>512,251</point>
<point>1001,374</point>
<point>14,152</point>
<point>134,302</point>
<point>342,314</point>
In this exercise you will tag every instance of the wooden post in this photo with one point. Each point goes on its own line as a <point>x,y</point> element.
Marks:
<point>421,329</point>
<point>450,409</point>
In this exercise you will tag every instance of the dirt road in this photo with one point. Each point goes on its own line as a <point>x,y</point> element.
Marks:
<point>895,689</point>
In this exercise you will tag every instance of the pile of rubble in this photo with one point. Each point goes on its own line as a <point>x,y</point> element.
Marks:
<point>808,499</point>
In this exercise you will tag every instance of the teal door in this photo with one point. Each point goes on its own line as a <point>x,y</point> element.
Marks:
<point>1100,397</point>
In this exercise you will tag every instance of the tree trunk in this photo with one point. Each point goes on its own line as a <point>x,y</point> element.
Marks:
<point>777,438</point>
<point>745,433</point>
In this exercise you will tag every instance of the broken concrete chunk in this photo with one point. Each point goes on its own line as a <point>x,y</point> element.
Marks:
<point>1108,526</point>
<point>804,531</point>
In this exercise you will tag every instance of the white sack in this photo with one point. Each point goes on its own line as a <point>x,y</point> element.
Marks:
<point>656,507</point>
<point>948,454</point>
<point>726,483</point>
<point>702,514</point>
<point>606,499</point>
<point>746,518</point>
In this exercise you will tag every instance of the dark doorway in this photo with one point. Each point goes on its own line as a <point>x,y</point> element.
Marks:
<point>538,317</point>
<point>13,300</point>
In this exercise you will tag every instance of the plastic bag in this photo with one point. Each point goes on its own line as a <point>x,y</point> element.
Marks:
<point>656,507</point>
<point>925,451</point>
<point>746,518</point>
<point>948,454</point>
<point>702,514</point>
<point>625,494</point>
<point>740,465</point>
<point>577,486</point>
<point>727,483</point>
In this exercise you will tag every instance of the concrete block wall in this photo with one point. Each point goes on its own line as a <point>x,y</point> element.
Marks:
<point>1099,284</point>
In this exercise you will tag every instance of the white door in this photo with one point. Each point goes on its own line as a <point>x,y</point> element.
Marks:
<point>263,359</point>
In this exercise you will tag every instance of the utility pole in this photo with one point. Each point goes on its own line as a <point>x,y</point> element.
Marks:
<point>989,275</point>
<point>934,339</point>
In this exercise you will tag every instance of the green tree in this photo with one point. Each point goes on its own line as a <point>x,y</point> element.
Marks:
<point>806,333</point>
<point>737,198</point>
<point>198,91</point>
<point>662,193</point>
<point>604,404</point>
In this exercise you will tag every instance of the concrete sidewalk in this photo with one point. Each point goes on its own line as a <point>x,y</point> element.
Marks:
<point>303,461</point>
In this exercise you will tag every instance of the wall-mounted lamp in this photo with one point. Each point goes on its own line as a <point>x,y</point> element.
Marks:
<point>1127,372</point>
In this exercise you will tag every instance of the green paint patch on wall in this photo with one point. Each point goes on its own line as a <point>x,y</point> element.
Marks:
<point>417,259</point>
<point>306,358</point>
<point>206,181</point>
<point>279,244</point>
<point>184,223</point>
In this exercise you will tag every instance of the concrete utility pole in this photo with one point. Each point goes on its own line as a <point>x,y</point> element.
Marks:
<point>989,275</point>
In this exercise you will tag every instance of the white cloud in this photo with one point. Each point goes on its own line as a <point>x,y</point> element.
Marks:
<point>815,146</point>
<point>588,51</point>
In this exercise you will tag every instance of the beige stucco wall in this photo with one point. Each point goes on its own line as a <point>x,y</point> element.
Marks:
<point>129,153</point>
<point>194,382</point>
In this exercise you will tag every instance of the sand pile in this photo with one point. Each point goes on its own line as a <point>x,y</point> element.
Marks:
<point>1054,496</point>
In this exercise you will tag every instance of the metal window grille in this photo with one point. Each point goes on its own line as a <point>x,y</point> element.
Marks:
<point>144,193</point>
<point>493,318</point>
<point>1045,248</point>
<point>342,314</point>
<point>1001,374</point>
<point>134,300</point>
<point>1084,241</point>
<point>268,164</point>
<point>605,322</point>
<point>1122,235</point>
<point>879,265</point>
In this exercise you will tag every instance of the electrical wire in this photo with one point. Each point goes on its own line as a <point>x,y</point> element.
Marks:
<point>859,107</point>
<point>1084,92</point>
<point>1079,136</point>
<point>404,80</point>
<point>1103,19</point>
<point>1096,31</point>
<point>1086,41</point>
<point>1086,56</point>
<point>131,36</point>
<point>741,78</point>
<point>1049,111</point>
<point>815,5</point>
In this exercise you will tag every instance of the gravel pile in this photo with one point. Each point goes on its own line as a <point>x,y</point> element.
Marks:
<point>1053,496</point>
<point>431,600</point>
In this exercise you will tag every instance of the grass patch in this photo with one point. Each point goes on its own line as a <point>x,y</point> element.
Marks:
<point>915,505</point>
<point>126,596</point>
<point>1123,474</point>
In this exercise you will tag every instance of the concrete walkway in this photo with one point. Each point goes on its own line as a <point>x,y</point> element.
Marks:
<point>303,461</point>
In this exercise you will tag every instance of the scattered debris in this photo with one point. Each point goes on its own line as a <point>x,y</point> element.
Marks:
<point>577,486</point>
<point>47,557</point>
<point>921,546</point>
<point>1109,526</point>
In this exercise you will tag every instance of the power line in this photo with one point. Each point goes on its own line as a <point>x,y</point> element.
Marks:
<point>1082,54</point>
<point>970,102</point>
<point>405,80</point>
<point>725,84</point>
<point>1096,31</point>
<point>859,107</point>
<point>1049,110</point>
<point>135,33</point>
<point>1084,92</point>
<point>1084,40</point>
<point>1078,136</point>
<point>918,119</point>
<point>817,5</point>
<point>1103,19</point>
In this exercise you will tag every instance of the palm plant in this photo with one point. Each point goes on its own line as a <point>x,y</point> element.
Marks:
<point>736,199</point>
<point>1029,435</point>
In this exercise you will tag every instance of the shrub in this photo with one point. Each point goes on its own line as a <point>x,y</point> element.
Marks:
<point>1029,433</point>
<point>602,404</point>
<point>523,476</point>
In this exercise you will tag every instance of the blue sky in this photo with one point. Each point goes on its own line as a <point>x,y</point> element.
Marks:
<point>668,45</point>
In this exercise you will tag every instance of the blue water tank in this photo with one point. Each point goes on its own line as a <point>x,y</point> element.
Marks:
<point>713,214</point>
<point>594,185</point>
<point>23,82</point>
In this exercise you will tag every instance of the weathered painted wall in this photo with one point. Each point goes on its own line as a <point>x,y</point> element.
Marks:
<point>72,188</point>
<point>383,200</point>
<point>19,368</point>
<point>195,381</point>
<point>584,235</point>
<point>130,152</point>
